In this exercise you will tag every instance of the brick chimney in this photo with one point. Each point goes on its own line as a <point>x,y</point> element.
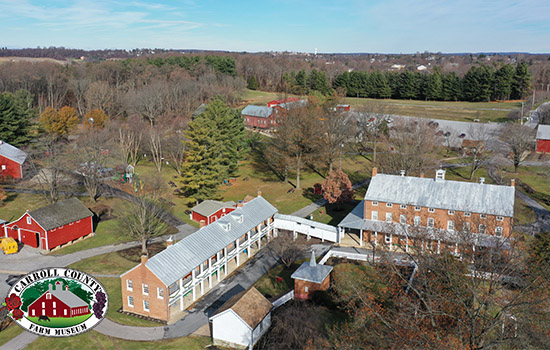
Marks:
<point>422,175</point>
<point>169,242</point>
<point>240,204</point>
<point>203,223</point>
<point>144,259</point>
<point>259,193</point>
<point>513,182</point>
<point>374,171</point>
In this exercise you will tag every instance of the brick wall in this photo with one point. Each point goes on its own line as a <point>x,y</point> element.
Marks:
<point>158,308</point>
<point>300,287</point>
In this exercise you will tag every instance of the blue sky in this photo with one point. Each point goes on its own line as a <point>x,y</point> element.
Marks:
<point>387,26</point>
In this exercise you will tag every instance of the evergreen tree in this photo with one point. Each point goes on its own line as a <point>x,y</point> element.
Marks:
<point>252,83</point>
<point>301,83</point>
<point>407,86</point>
<point>318,81</point>
<point>380,86</point>
<point>504,77</point>
<point>478,84</point>
<point>343,81</point>
<point>522,81</point>
<point>15,117</point>
<point>433,88</point>
<point>452,87</point>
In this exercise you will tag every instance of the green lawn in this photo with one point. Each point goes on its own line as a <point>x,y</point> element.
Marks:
<point>268,285</point>
<point>60,322</point>
<point>112,285</point>
<point>17,203</point>
<point>260,97</point>
<point>536,177</point>
<point>110,264</point>
<point>523,214</point>
<point>95,340</point>
<point>10,333</point>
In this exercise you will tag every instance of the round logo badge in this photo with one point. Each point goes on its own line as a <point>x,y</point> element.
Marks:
<point>57,302</point>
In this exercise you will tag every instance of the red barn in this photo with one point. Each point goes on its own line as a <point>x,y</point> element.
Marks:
<point>210,211</point>
<point>260,117</point>
<point>58,302</point>
<point>53,225</point>
<point>543,139</point>
<point>11,161</point>
<point>276,103</point>
<point>343,108</point>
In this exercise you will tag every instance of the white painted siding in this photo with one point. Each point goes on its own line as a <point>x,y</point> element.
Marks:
<point>227,327</point>
<point>306,227</point>
<point>262,327</point>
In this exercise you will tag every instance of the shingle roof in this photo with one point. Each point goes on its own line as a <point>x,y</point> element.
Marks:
<point>442,194</point>
<point>257,111</point>
<point>311,271</point>
<point>180,259</point>
<point>60,213</point>
<point>209,207</point>
<point>12,152</point>
<point>250,305</point>
<point>543,132</point>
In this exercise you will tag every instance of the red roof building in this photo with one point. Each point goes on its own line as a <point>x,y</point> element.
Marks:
<point>282,101</point>
<point>52,225</point>
<point>11,161</point>
<point>58,302</point>
<point>543,139</point>
<point>210,211</point>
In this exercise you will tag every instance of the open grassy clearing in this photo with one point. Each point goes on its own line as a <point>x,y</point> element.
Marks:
<point>17,203</point>
<point>96,340</point>
<point>256,97</point>
<point>268,285</point>
<point>10,333</point>
<point>535,177</point>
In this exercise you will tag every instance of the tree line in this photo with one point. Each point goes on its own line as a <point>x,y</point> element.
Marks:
<point>480,83</point>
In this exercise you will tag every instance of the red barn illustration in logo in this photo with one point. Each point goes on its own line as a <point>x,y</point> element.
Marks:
<point>58,302</point>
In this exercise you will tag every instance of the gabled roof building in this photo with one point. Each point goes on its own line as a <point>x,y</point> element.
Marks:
<point>11,161</point>
<point>169,282</point>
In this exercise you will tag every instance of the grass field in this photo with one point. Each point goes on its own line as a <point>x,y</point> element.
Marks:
<point>95,340</point>
<point>268,285</point>
<point>10,333</point>
<point>109,263</point>
<point>60,322</point>
<point>461,111</point>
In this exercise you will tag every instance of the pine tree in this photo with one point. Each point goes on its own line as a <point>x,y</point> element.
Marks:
<point>452,87</point>
<point>252,83</point>
<point>433,88</point>
<point>504,77</point>
<point>15,117</point>
<point>522,81</point>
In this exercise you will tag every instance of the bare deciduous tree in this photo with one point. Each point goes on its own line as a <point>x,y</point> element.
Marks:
<point>129,137</point>
<point>155,147</point>
<point>48,163</point>
<point>478,152</point>
<point>372,126</point>
<point>520,141</point>
<point>288,248</point>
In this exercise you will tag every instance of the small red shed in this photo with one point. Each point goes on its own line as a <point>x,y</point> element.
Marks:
<point>210,211</point>
<point>52,225</point>
<point>11,161</point>
<point>543,139</point>
<point>310,277</point>
<point>275,103</point>
<point>58,302</point>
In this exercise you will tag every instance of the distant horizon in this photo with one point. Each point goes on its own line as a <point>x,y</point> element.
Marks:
<point>348,26</point>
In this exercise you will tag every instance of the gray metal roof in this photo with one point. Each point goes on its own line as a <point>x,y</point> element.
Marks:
<point>293,104</point>
<point>257,111</point>
<point>60,213</point>
<point>311,271</point>
<point>354,219</point>
<point>442,194</point>
<point>2,221</point>
<point>180,259</point>
<point>209,207</point>
<point>12,152</point>
<point>66,296</point>
<point>306,222</point>
<point>543,132</point>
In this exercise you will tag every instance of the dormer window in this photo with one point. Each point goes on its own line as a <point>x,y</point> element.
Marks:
<point>238,217</point>
<point>225,225</point>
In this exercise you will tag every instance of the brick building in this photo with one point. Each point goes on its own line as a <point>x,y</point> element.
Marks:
<point>405,211</point>
<point>11,161</point>
<point>543,139</point>
<point>310,277</point>
<point>52,225</point>
<point>169,282</point>
<point>261,117</point>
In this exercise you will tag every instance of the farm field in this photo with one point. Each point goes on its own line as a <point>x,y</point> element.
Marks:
<point>459,111</point>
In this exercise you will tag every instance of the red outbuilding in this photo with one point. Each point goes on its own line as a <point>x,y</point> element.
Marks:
<point>282,101</point>
<point>53,225</point>
<point>543,139</point>
<point>58,302</point>
<point>260,117</point>
<point>11,161</point>
<point>210,211</point>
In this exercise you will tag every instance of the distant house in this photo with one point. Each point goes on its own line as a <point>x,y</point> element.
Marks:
<point>11,161</point>
<point>421,67</point>
<point>260,117</point>
<point>310,277</point>
<point>52,225</point>
<point>242,320</point>
<point>543,139</point>
<point>343,108</point>
<point>210,211</point>
<point>276,103</point>
<point>58,302</point>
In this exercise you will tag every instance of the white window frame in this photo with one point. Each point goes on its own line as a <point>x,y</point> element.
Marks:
<point>451,212</point>
<point>375,203</point>
<point>306,289</point>
<point>145,289</point>
<point>160,293</point>
<point>54,303</point>
<point>374,215</point>
<point>389,217</point>
<point>498,231</point>
<point>417,220</point>
<point>389,205</point>
<point>129,285</point>
<point>500,218</point>
<point>450,225</point>
<point>403,219</point>
<point>130,301</point>
<point>387,238</point>
<point>482,228</point>
<point>3,167</point>
<point>146,306</point>
<point>466,227</point>
<point>467,214</point>
<point>29,221</point>
<point>403,206</point>
<point>430,223</point>
<point>417,208</point>
<point>431,210</point>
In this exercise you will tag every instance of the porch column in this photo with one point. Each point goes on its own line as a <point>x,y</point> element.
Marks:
<point>238,253</point>
<point>248,244</point>
<point>407,245</point>
<point>210,273</point>
<point>438,246</point>
<point>181,291</point>
<point>202,278</point>
<point>275,232</point>
<point>294,234</point>
<point>259,237</point>
<point>456,248</point>
<point>219,270</point>
<point>194,283</point>
<point>391,242</point>
<point>225,260</point>
<point>361,237</point>
<point>375,238</point>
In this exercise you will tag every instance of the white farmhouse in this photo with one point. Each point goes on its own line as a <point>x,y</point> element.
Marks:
<point>242,320</point>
